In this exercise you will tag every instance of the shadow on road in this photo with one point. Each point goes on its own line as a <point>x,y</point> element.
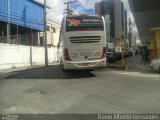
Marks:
<point>51,72</point>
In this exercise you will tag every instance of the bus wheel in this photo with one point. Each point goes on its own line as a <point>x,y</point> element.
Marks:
<point>65,70</point>
<point>62,66</point>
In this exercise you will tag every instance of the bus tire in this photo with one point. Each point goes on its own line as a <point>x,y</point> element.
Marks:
<point>65,71</point>
<point>62,66</point>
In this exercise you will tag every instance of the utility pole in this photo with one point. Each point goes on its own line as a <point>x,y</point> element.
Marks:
<point>130,31</point>
<point>122,46</point>
<point>8,24</point>
<point>68,11</point>
<point>45,35</point>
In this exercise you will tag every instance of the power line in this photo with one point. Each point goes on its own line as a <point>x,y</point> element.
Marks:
<point>68,10</point>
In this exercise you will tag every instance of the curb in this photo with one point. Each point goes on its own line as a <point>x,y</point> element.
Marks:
<point>122,67</point>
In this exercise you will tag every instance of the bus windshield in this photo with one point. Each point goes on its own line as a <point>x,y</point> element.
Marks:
<point>84,23</point>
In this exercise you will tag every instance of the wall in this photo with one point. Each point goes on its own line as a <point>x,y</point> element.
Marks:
<point>17,55</point>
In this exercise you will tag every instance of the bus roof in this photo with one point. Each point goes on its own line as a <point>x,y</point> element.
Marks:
<point>77,15</point>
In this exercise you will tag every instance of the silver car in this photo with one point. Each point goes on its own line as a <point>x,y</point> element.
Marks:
<point>155,64</point>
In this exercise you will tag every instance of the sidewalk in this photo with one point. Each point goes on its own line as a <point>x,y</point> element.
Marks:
<point>2,71</point>
<point>134,64</point>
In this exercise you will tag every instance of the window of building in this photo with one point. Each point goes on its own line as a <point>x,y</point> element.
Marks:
<point>48,28</point>
<point>54,29</point>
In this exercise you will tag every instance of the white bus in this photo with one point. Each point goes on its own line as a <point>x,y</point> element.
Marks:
<point>83,40</point>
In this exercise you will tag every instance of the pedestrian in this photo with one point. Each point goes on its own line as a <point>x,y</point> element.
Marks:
<point>136,51</point>
<point>144,56</point>
<point>141,51</point>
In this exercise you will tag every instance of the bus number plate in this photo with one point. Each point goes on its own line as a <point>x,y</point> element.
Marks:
<point>86,53</point>
<point>85,64</point>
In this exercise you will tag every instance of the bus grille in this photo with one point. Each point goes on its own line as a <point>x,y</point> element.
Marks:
<point>85,39</point>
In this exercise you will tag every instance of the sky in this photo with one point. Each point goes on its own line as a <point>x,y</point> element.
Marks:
<point>81,6</point>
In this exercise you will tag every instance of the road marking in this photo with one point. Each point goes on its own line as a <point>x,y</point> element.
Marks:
<point>136,74</point>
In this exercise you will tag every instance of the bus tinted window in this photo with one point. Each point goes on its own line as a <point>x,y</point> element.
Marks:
<point>84,23</point>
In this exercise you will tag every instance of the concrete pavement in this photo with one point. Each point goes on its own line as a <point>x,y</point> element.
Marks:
<point>132,63</point>
<point>49,90</point>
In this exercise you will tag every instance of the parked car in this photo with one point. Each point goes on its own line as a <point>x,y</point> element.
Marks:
<point>126,53</point>
<point>118,55</point>
<point>111,57</point>
<point>155,64</point>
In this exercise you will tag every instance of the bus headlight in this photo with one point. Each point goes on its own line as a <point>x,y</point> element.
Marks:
<point>103,53</point>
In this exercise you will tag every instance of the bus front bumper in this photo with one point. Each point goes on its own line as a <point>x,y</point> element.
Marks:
<point>84,64</point>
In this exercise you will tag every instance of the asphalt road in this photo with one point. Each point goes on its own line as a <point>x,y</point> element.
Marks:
<point>49,90</point>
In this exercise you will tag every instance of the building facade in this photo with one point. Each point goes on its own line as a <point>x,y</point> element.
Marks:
<point>116,16</point>
<point>106,9</point>
<point>53,31</point>
<point>20,20</point>
<point>125,24</point>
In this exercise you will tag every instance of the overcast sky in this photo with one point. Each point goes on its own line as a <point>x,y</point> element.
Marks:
<point>82,6</point>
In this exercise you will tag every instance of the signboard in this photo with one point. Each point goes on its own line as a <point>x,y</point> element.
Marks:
<point>84,23</point>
